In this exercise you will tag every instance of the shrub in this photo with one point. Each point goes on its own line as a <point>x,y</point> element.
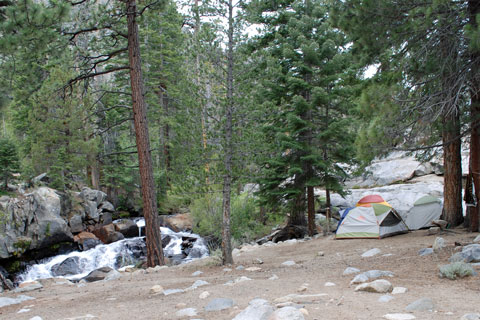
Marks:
<point>245,226</point>
<point>457,269</point>
<point>207,216</point>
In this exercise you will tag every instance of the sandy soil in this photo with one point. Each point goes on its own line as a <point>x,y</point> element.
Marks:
<point>129,297</point>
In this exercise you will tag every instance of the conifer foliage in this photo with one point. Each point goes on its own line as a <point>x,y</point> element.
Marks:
<point>305,67</point>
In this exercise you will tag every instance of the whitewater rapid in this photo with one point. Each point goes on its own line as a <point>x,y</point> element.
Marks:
<point>126,252</point>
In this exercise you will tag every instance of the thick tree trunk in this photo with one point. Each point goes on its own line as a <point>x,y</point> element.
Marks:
<point>297,214</point>
<point>311,211</point>
<point>153,236</point>
<point>474,167</point>
<point>452,190</point>
<point>227,182</point>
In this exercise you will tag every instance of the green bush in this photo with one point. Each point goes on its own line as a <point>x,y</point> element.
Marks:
<point>207,215</point>
<point>245,220</point>
<point>457,269</point>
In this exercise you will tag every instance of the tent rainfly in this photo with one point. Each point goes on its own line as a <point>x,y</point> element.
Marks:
<point>370,220</point>
<point>424,211</point>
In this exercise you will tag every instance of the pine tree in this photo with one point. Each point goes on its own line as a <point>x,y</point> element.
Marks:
<point>9,163</point>
<point>423,45</point>
<point>305,63</point>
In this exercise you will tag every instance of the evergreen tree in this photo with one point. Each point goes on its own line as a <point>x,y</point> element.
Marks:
<point>9,163</point>
<point>423,45</point>
<point>306,73</point>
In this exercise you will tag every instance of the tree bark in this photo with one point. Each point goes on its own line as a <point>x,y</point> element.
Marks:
<point>153,236</point>
<point>311,211</point>
<point>227,182</point>
<point>452,189</point>
<point>297,214</point>
<point>474,167</point>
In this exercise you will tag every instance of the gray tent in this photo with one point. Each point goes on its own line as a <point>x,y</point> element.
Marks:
<point>424,210</point>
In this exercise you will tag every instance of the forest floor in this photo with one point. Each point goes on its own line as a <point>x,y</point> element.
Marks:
<point>129,296</point>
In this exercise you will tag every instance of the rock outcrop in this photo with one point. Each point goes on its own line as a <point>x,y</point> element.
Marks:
<point>41,220</point>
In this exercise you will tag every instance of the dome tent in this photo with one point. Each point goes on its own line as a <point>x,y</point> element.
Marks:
<point>424,211</point>
<point>376,219</point>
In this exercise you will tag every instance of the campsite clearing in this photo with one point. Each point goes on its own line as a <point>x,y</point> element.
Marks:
<point>129,297</point>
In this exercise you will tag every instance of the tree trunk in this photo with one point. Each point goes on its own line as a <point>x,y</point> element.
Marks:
<point>474,167</point>
<point>311,211</point>
<point>227,182</point>
<point>153,236</point>
<point>297,214</point>
<point>452,189</point>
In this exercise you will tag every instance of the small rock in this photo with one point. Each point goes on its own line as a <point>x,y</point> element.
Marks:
<point>235,252</point>
<point>36,318</point>
<point>112,275</point>
<point>387,255</point>
<point>438,244</point>
<point>471,316</point>
<point>304,311</point>
<point>240,267</point>
<point>273,277</point>
<point>399,290</point>
<point>424,304</point>
<point>320,253</point>
<point>158,268</point>
<point>258,309</point>
<point>289,304</point>
<point>238,280</point>
<point>425,251</point>
<point>287,313</point>
<point>476,240</point>
<point>227,269</point>
<point>378,286</point>
<point>330,284</point>
<point>301,298</point>
<point>172,291</point>
<point>187,312</point>
<point>219,304</point>
<point>302,289</point>
<point>399,316</point>
<point>156,289</point>
<point>371,253</point>
<point>288,263</point>
<point>204,295</point>
<point>433,230</point>
<point>253,269</point>
<point>28,286</point>
<point>350,270</point>
<point>23,310</point>
<point>371,274</point>
<point>180,305</point>
<point>258,261</point>
<point>198,283</point>
<point>4,301</point>
<point>197,273</point>
<point>385,298</point>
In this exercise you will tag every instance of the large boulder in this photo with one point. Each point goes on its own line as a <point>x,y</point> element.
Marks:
<point>98,274</point>
<point>127,227</point>
<point>76,223</point>
<point>95,196</point>
<point>67,267</point>
<point>33,221</point>
<point>86,240</point>
<point>107,234</point>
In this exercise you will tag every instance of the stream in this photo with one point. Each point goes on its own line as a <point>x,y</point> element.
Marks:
<point>180,247</point>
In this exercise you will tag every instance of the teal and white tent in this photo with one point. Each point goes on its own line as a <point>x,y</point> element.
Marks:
<point>374,221</point>
<point>424,211</point>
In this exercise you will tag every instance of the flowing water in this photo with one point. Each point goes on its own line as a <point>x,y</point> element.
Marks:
<point>182,247</point>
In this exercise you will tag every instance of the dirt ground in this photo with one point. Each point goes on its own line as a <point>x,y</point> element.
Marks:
<point>129,297</point>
